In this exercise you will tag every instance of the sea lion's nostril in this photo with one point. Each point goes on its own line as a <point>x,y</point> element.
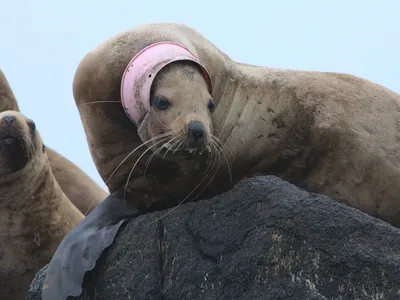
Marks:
<point>9,119</point>
<point>196,130</point>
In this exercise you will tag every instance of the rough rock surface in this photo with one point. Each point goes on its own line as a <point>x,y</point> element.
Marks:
<point>265,239</point>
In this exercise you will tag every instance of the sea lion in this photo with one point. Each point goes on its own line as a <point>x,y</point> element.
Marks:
<point>330,133</point>
<point>149,96</point>
<point>35,215</point>
<point>84,193</point>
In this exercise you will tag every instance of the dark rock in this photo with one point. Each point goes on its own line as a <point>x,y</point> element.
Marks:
<point>35,290</point>
<point>265,239</point>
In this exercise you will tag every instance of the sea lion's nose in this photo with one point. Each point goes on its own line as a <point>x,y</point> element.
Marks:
<point>8,120</point>
<point>196,130</point>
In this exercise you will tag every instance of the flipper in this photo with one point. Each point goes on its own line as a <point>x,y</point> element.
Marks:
<point>82,246</point>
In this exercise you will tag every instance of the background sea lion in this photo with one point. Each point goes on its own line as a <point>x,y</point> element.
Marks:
<point>35,215</point>
<point>84,193</point>
<point>334,134</point>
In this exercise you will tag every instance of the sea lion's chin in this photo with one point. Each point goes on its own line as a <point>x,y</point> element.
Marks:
<point>13,155</point>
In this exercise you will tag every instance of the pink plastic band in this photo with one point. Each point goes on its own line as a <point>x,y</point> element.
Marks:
<point>141,71</point>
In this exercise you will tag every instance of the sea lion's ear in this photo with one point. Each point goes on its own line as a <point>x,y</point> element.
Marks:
<point>142,69</point>
<point>43,148</point>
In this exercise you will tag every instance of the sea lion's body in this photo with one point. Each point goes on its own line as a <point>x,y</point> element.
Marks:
<point>330,133</point>
<point>35,214</point>
<point>84,193</point>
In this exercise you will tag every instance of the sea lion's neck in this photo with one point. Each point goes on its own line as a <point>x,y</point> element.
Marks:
<point>249,111</point>
<point>29,204</point>
<point>34,188</point>
<point>245,88</point>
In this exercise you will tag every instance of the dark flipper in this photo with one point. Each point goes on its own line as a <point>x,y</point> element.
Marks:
<point>82,246</point>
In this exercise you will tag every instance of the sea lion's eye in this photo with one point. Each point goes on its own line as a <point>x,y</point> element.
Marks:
<point>211,105</point>
<point>32,125</point>
<point>161,103</point>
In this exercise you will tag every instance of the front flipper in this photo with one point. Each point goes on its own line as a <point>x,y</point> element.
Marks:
<point>82,246</point>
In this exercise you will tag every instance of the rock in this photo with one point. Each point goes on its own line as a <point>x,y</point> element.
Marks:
<point>264,239</point>
<point>35,289</point>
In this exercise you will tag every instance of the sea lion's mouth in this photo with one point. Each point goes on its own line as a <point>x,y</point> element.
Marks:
<point>13,155</point>
<point>168,150</point>
<point>191,151</point>
<point>13,142</point>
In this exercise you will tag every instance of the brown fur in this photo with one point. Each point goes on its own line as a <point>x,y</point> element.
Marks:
<point>35,215</point>
<point>84,193</point>
<point>330,133</point>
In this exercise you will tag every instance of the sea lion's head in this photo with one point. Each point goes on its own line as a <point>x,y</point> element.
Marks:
<point>167,93</point>
<point>179,119</point>
<point>20,143</point>
<point>147,117</point>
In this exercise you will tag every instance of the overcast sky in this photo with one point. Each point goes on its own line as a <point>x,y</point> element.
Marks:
<point>42,43</point>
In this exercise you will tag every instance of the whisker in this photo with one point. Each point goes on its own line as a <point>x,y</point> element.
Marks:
<point>155,153</point>
<point>94,102</point>
<point>137,161</point>
<point>141,145</point>
<point>226,158</point>
<point>177,147</point>
<point>116,169</point>
<point>175,143</point>
<point>222,143</point>
<point>150,158</point>
<point>213,149</point>
<point>30,142</point>
<point>158,118</point>
<point>211,158</point>
<point>215,173</point>
<point>182,200</point>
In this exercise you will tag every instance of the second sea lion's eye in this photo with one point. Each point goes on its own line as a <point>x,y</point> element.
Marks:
<point>32,125</point>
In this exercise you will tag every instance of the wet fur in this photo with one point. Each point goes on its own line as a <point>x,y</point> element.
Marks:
<point>35,215</point>
<point>84,193</point>
<point>330,133</point>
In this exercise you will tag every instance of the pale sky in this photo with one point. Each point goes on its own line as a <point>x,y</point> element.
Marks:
<point>42,43</point>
